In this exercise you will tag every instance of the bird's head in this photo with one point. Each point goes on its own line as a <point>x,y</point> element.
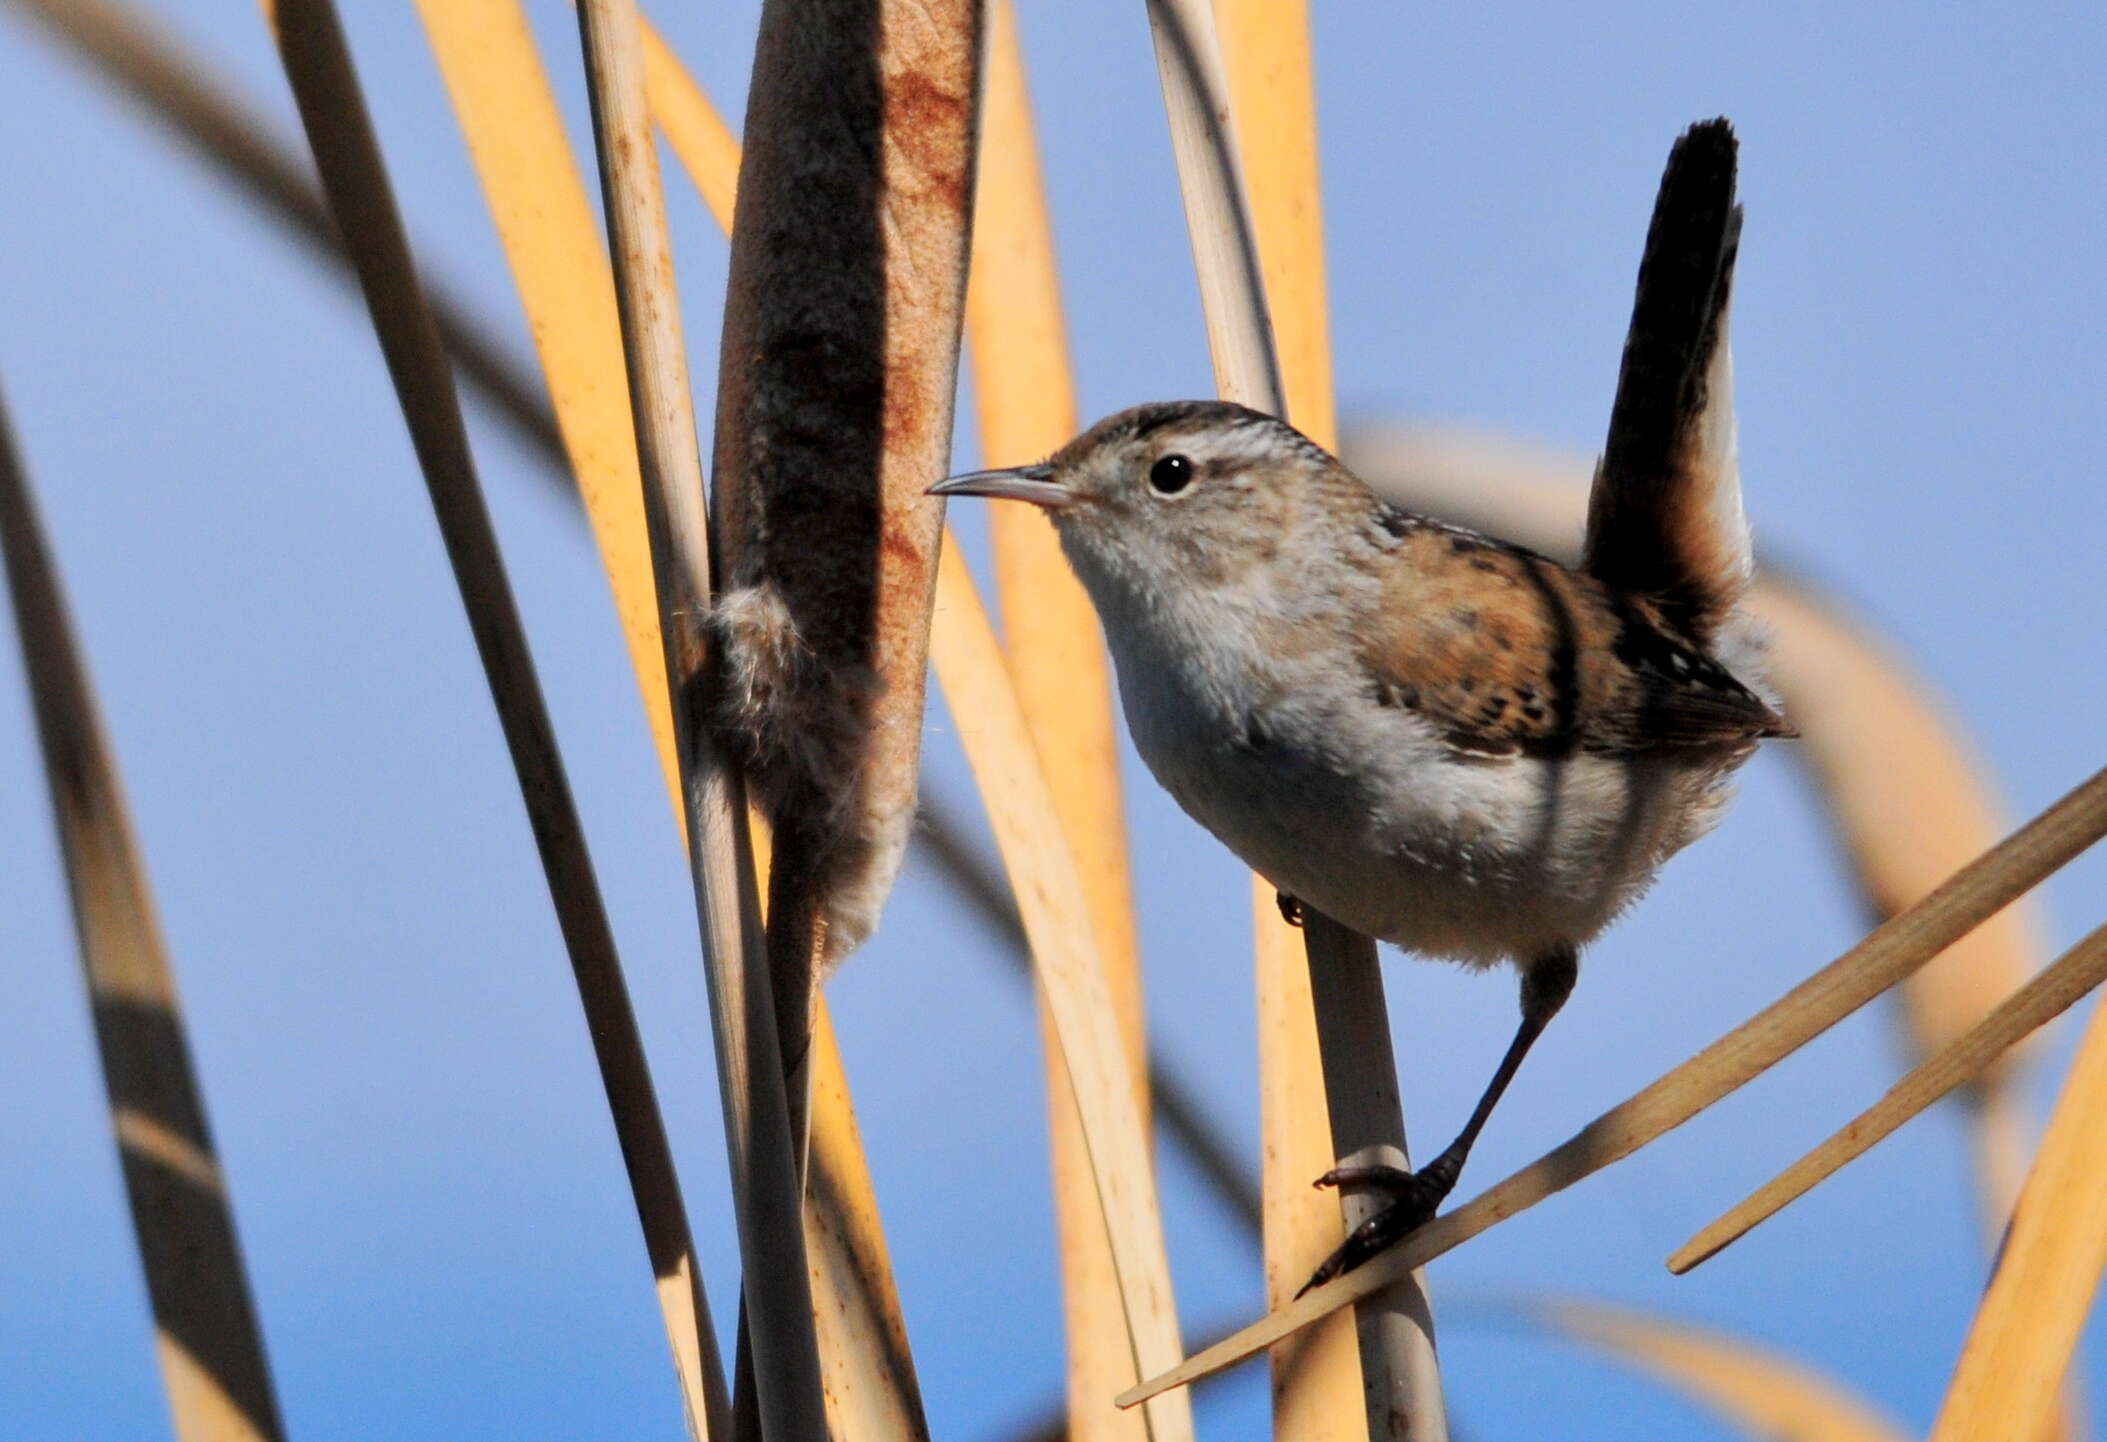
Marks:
<point>1190,492</point>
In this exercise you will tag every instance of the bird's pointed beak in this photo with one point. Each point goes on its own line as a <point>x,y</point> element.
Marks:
<point>1019,483</point>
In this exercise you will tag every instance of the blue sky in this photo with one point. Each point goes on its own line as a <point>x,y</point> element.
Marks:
<point>425,1181</point>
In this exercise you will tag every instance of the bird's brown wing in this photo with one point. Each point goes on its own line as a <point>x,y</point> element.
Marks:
<point>1509,653</point>
<point>1665,519</point>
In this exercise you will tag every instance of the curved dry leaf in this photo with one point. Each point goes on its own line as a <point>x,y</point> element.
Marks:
<point>319,67</point>
<point>2027,1327</point>
<point>1328,1090</point>
<point>213,1365</point>
<point>2048,995</point>
<point>1761,1393</point>
<point>764,1145</point>
<point>1021,379</point>
<point>1049,891</point>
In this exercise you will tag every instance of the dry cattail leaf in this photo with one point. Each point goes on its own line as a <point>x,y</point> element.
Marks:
<point>1270,85</point>
<point>1316,1374</point>
<point>1264,75</point>
<point>1400,1373</point>
<point>1022,380</point>
<point>356,183</point>
<point>212,1359</point>
<point>2044,998</point>
<point>1217,216</point>
<point>1049,890</point>
<point>544,219</point>
<point>1890,953</point>
<point>763,1145</point>
<point>2020,1344</point>
<point>701,141</point>
<point>1762,1394</point>
<point>865,1363</point>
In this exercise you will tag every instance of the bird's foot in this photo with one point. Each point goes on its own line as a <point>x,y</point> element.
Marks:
<point>1290,908</point>
<point>1414,1196</point>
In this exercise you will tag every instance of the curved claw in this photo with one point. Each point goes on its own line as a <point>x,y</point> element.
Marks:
<point>1395,1180</point>
<point>1418,1195</point>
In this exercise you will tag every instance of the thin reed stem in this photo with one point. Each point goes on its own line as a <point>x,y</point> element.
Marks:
<point>1966,1058</point>
<point>976,682</point>
<point>213,1366</point>
<point>354,178</point>
<point>1247,250</point>
<point>762,1147</point>
<point>1022,378</point>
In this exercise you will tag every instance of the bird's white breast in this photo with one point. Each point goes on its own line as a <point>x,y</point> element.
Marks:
<point>1277,746</point>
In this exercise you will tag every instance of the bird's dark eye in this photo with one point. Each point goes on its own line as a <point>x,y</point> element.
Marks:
<point>1171,475</point>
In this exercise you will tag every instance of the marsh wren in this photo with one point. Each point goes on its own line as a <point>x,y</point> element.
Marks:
<point>1437,738</point>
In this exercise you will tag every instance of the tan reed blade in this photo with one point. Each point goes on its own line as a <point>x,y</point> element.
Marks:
<point>1762,1394</point>
<point>2020,1343</point>
<point>1245,251</point>
<point>1217,216</point>
<point>1400,1374</point>
<point>1891,952</point>
<point>1022,379</point>
<point>355,181</point>
<point>1316,1374</point>
<point>865,1362</point>
<point>977,688</point>
<point>1964,1059</point>
<point>544,219</point>
<point>1180,1114</point>
<point>1318,1377</point>
<point>759,1139</point>
<point>211,1353</point>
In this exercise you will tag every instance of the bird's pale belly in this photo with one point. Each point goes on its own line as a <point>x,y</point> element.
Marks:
<point>1448,855</point>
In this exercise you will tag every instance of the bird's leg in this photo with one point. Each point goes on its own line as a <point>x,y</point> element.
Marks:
<point>1546,983</point>
<point>1290,908</point>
